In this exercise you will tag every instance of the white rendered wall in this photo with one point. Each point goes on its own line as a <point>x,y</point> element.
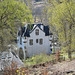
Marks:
<point>20,45</point>
<point>36,48</point>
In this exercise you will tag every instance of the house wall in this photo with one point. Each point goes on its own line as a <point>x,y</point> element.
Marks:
<point>36,48</point>
<point>20,45</point>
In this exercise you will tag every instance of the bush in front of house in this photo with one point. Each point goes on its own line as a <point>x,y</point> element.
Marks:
<point>37,59</point>
<point>12,70</point>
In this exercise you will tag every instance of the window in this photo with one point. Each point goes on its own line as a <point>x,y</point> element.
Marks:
<point>20,40</point>
<point>51,49</point>
<point>25,47</point>
<point>50,40</point>
<point>24,42</point>
<point>37,32</point>
<point>31,41</point>
<point>41,41</point>
<point>25,37</point>
<point>50,45</point>
<point>17,40</point>
<point>21,54</point>
<point>50,36</point>
<point>36,40</point>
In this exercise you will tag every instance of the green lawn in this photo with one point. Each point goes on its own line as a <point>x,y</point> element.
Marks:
<point>43,58</point>
<point>38,59</point>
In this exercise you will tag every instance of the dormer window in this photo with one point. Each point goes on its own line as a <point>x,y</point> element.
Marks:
<point>37,31</point>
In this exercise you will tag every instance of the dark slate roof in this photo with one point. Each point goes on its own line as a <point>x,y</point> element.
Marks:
<point>21,31</point>
<point>30,29</point>
<point>46,30</point>
<point>13,54</point>
<point>39,25</point>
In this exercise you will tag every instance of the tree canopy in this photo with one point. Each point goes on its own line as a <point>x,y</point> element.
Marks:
<point>12,14</point>
<point>12,11</point>
<point>62,17</point>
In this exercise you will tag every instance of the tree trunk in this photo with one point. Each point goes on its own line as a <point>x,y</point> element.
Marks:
<point>70,37</point>
<point>1,44</point>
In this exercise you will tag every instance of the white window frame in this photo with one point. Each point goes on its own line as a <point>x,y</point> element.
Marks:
<point>37,40</point>
<point>41,41</point>
<point>31,42</point>
<point>37,31</point>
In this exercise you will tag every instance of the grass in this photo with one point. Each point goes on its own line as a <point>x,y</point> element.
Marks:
<point>38,59</point>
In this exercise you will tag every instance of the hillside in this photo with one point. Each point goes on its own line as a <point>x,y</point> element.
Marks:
<point>38,12</point>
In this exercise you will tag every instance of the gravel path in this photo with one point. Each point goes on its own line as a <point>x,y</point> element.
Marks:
<point>63,68</point>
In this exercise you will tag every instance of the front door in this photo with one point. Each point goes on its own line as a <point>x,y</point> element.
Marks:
<point>21,54</point>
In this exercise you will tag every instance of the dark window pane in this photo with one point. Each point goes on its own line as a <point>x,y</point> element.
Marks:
<point>50,45</point>
<point>37,32</point>
<point>25,47</point>
<point>20,40</point>
<point>31,42</point>
<point>36,40</point>
<point>41,41</point>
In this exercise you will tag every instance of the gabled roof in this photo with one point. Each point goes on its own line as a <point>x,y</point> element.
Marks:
<point>38,25</point>
<point>25,31</point>
<point>20,32</point>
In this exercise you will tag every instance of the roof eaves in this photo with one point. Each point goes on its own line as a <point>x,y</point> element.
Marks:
<point>34,29</point>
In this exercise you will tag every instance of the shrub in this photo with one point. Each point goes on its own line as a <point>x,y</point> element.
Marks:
<point>11,70</point>
<point>37,59</point>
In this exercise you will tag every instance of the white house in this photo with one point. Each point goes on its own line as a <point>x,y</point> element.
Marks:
<point>33,39</point>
